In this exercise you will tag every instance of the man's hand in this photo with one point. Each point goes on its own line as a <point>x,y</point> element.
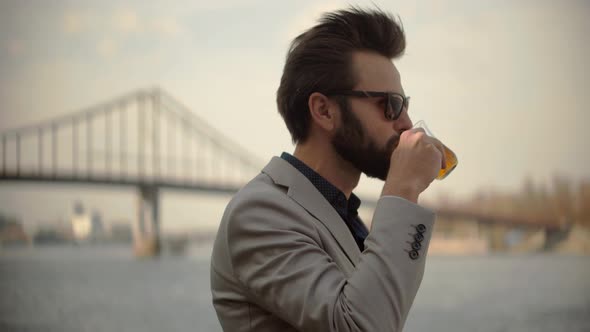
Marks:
<point>415,163</point>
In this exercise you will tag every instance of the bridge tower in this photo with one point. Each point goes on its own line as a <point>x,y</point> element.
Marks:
<point>146,227</point>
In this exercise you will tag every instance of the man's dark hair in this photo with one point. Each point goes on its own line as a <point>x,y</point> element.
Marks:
<point>320,59</point>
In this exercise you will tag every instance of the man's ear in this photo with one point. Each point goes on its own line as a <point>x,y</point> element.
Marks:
<point>322,111</point>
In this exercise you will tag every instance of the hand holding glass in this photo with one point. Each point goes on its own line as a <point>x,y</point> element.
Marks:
<point>450,157</point>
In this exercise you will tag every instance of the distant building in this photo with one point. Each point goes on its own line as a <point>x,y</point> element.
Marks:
<point>12,232</point>
<point>81,226</point>
<point>121,232</point>
<point>85,226</point>
<point>97,231</point>
<point>50,235</point>
<point>78,207</point>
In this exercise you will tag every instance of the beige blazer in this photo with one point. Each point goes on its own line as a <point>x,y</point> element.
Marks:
<point>284,260</point>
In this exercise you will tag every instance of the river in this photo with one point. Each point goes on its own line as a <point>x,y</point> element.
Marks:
<point>69,288</point>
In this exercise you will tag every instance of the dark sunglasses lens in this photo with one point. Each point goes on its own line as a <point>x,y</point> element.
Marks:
<point>396,104</point>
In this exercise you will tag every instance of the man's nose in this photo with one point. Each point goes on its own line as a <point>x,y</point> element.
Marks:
<point>403,122</point>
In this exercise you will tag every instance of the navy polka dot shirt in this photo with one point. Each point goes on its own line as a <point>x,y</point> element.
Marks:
<point>347,209</point>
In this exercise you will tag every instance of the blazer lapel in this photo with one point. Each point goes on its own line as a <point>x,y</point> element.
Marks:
<point>305,194</point>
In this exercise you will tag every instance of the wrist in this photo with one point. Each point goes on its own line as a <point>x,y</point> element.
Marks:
<point>407,192</point>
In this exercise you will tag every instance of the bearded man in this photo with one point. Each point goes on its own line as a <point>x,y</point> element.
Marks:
<point>291,253</point>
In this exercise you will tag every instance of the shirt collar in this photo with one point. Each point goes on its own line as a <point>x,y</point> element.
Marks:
<point>332,194</point>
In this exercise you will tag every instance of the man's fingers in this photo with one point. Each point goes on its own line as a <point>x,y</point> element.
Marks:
<point>420,135</point>
<point>441,148</point>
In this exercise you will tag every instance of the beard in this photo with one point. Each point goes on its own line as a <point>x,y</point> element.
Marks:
<point>353,145</point>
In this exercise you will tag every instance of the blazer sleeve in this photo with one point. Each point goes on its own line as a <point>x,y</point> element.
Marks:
<point>278,258</point>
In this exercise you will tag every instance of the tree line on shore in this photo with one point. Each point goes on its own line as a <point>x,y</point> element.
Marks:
<point>564,201</point>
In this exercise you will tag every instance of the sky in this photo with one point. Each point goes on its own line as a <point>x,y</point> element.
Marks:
<point>503,83</point>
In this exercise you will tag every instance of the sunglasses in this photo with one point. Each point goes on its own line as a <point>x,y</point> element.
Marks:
<point>394,102</point>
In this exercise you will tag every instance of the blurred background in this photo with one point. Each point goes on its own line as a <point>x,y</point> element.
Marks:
<point>127,126</point>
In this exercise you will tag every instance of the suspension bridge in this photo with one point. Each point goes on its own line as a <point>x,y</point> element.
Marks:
<point>145,139</point>
<point>148,140</point>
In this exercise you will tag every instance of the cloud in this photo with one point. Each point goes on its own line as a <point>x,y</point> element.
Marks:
<point>76,21</point>
<point>126,20</point>
<point>308,17</point>
<point>144,24</point>
<point>84,21</point>
<point>167,26</point>
<point>107,48</point>
<point>15,47</point>
<point>107,30</point>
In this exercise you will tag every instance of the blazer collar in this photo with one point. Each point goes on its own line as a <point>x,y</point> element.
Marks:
<point>305,194</point>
